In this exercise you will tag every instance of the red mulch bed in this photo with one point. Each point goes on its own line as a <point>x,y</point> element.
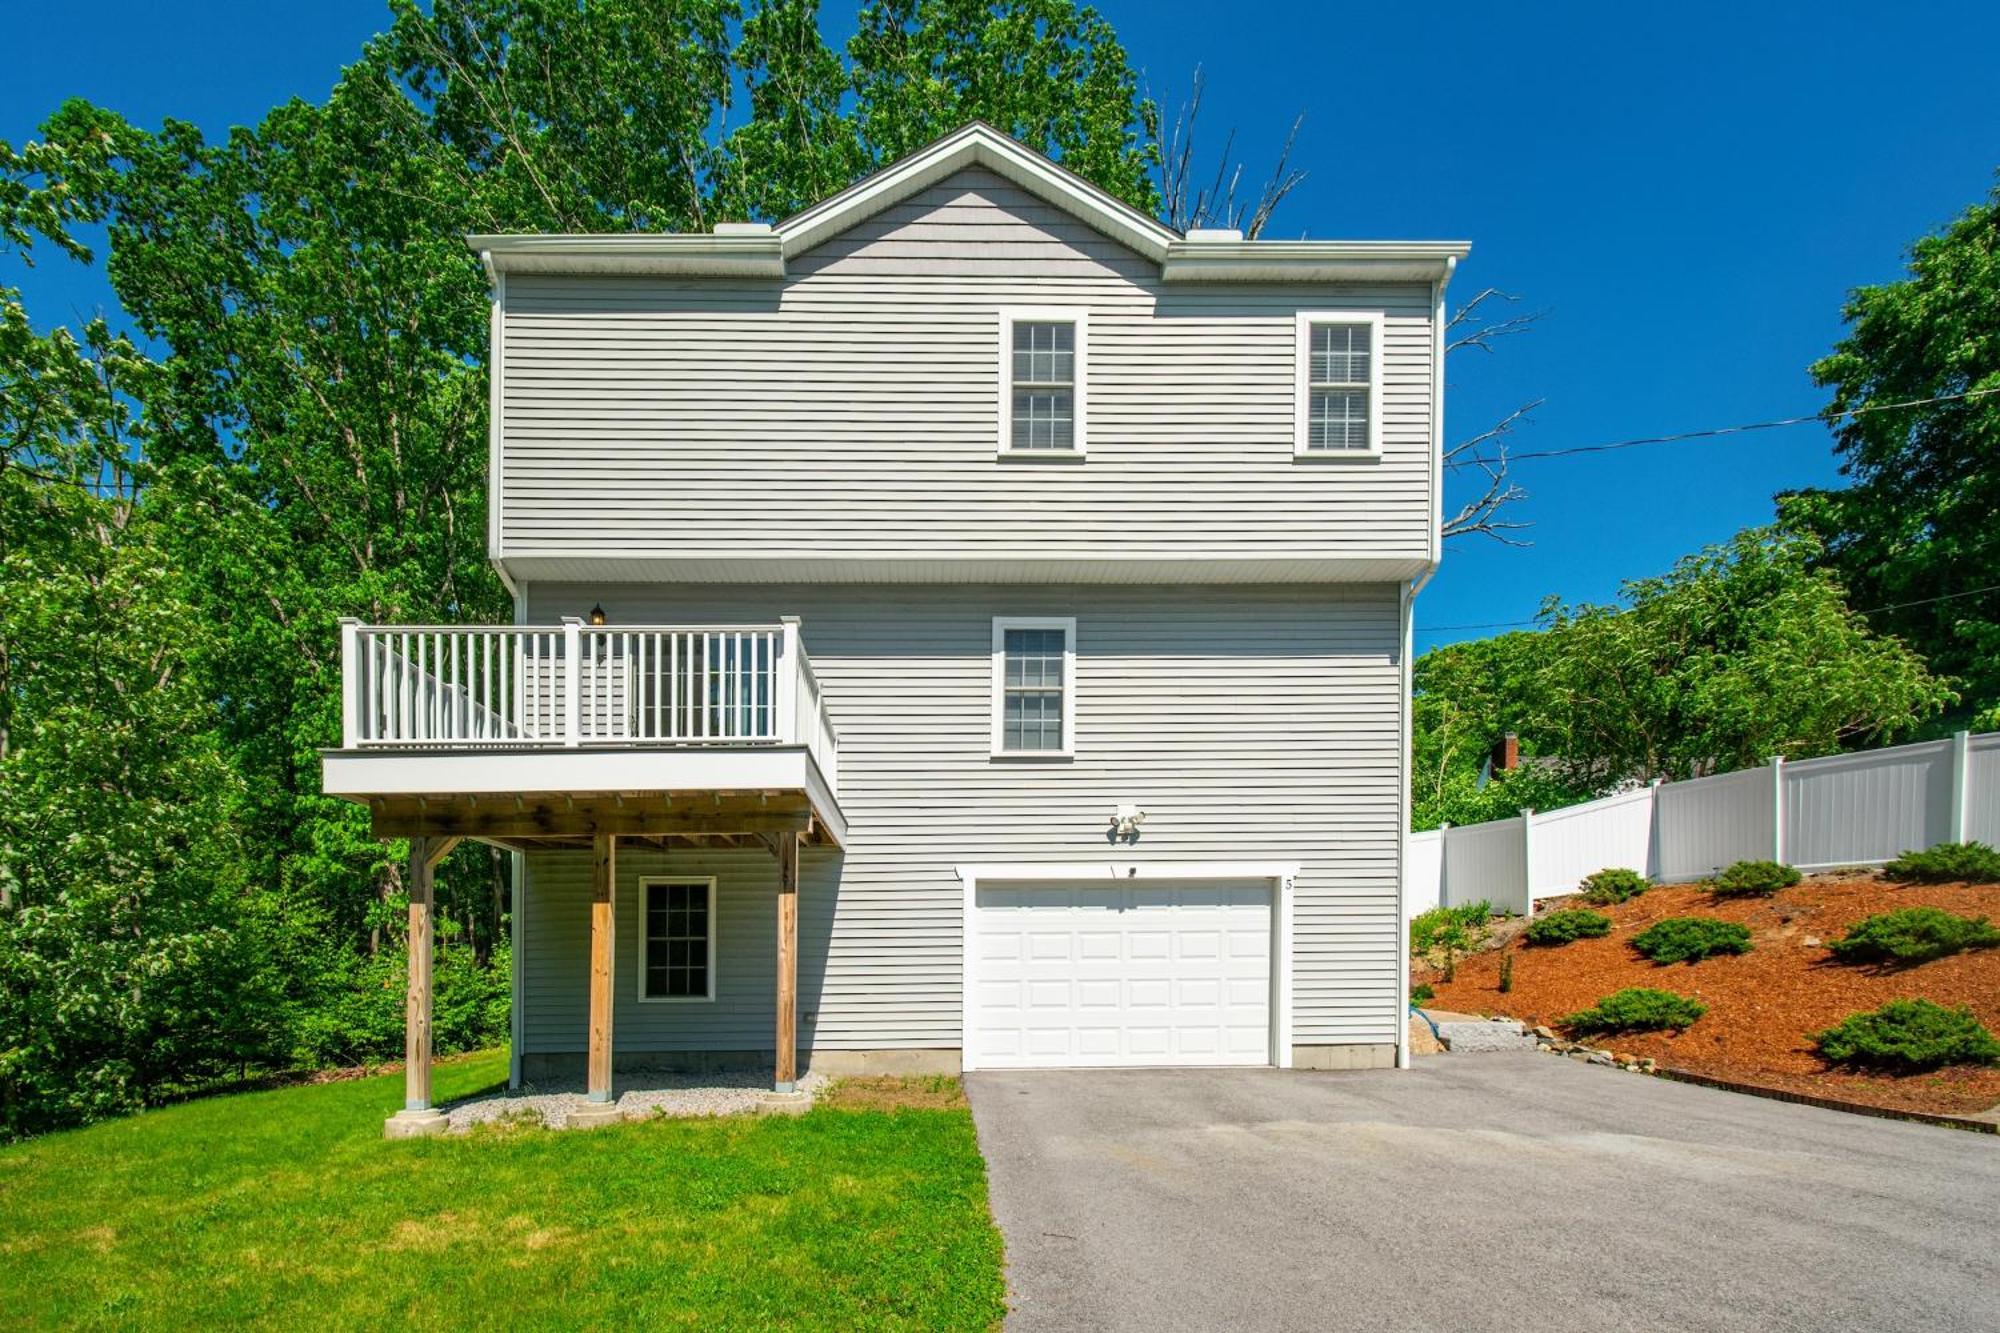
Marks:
<point>1763,1006</point>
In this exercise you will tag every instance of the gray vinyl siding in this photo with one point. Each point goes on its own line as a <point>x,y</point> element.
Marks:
<point>851,410</point>
<point>1251,724</point>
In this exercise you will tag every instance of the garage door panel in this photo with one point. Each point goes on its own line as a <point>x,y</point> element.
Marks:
<point>1139,974</point>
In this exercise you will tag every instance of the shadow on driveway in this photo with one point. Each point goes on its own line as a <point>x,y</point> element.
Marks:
<point>1475,1192</point>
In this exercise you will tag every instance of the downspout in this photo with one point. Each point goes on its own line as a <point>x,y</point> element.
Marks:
<point>1405,703</point>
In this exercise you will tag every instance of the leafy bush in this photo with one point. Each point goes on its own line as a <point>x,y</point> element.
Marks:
<point>1689,939</point>
<point>1616,885</point>
<point>1422,993</point>
<point>362,1020</point>
<point>1947,863</point>
<point>1574,923</point>
<point>1453,927</point>
<point>1909,1035</point>
<point>1637,1009</point>
<point>1913,935</point>
<point>1748,879</point>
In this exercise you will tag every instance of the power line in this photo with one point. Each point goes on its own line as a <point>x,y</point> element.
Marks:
<point>1715,431</point>
<point>1873,610</point>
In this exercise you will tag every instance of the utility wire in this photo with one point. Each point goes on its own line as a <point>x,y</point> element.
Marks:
<point>1713,432</point>
<point>1873,610</point>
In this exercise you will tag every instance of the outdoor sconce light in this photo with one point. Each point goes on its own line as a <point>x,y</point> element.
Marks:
<point>597,614</point>
<point>1125,824</point>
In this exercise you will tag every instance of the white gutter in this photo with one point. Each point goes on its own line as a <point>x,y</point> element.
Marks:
<point>731,254</point>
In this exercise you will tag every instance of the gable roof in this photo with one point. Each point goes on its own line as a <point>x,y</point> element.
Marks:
<point>756,250</point>
<point>977,144</point>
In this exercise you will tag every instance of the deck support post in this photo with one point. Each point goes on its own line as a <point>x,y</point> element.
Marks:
<point>603,886</point>
<point>418,1118</point>
<point>785,1076</point>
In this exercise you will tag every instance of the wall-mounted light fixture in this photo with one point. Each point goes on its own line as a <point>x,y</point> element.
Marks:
<point>597,614</point>
<point>1125,824</point>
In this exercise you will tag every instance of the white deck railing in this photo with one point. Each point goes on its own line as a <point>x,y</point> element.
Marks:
<point>468,686</point>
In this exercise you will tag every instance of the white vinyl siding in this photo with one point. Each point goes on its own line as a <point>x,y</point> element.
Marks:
<point>853,409</point>
<point>1339,385</point>
<point>1250,723</point>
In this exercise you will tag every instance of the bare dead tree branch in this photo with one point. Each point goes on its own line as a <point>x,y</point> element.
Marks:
<point>1481,332</point>
<point>1486,454</point>
<point>1220,203</point>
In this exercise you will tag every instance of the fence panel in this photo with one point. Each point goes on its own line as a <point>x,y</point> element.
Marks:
<point>1982,797</point>
<point>1581,840</point>
<point>1485,861</point>
<point>1423,871</point>
<point>1851,808</point>
<point>1709,823</point>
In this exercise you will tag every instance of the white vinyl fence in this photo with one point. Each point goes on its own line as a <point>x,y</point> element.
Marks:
<point>1843,810</point>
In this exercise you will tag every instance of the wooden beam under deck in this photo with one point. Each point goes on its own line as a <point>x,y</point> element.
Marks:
<point>623,815</point>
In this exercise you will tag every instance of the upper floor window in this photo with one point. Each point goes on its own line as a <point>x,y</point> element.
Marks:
<point>1042,382</point>
<point>1034,687</point>
<point>1339,385</point>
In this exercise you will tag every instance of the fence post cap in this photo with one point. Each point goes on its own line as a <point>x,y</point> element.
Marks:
<point>788,620</point>
<point>572,620</point>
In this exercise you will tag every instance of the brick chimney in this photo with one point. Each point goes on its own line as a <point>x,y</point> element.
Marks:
<point>1507,753</point>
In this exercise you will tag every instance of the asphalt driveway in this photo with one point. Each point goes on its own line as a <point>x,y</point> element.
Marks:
<point>1476,1192</point>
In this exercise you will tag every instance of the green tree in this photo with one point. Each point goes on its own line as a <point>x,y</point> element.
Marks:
<point>134,950</point>
<point>1740,652</point>
<point>1914,532</point>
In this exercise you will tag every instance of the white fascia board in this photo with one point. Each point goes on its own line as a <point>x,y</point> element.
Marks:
<point>635,253</point>
<point>981,145</point>
<point>626,566</point>
<point>1311,261</point>
<point>479,770</point>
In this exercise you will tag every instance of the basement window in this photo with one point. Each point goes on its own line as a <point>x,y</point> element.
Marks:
<point>677,939</point>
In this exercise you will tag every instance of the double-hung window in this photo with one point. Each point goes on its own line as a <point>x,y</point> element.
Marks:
<point>1339,385</point>
<point>1042,359</point>
<point>677,939</point>
<point>1034,687</point>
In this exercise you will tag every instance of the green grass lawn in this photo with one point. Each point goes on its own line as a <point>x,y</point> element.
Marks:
<point>289,1207</point>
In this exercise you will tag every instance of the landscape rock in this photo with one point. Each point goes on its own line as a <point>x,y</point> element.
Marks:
<point>1544,1033</point>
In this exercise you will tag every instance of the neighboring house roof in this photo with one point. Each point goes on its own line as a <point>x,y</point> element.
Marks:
<point>748,249</point>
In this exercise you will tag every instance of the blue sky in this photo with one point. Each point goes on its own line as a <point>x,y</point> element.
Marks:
<point>1689,190</point>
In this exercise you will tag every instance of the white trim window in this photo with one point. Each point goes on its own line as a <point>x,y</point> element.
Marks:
<point>1339,385</point>
<point>1034,687</point>
<point>1043,356</point>
<point>676,938</point>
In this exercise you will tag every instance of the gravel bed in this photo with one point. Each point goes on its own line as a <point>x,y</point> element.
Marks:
<point>640,1096</point>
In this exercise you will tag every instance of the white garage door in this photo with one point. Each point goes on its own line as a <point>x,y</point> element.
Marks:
<point>1175,974</point>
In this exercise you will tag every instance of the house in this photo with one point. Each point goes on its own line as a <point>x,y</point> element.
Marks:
<point>965,625</point>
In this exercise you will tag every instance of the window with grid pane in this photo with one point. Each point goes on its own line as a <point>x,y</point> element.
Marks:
<point>1043,383</point>
<point>1031,716</point>
<point>1341,358</point>
<point>678,940</point>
